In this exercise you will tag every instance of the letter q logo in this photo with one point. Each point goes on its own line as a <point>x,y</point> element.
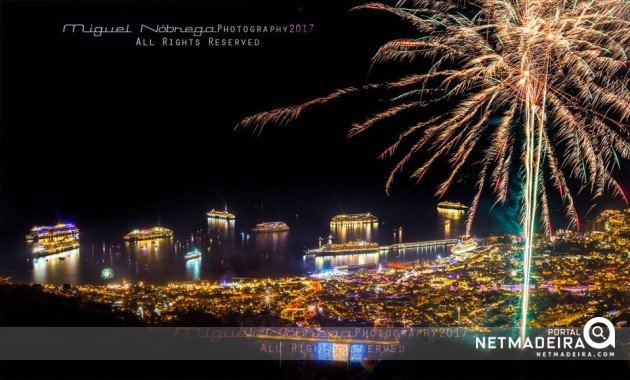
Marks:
<point>592,329</point>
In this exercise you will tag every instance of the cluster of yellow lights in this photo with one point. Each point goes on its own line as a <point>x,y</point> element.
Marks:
<point>49,240</point>
<point>57,246</point>
<point>271,227</point>
<point>349,246</point>
<point>364,218</point>
<point>452,205</point>
<point>148,234</point>
<point>61,229</point>
<point>218,214</point>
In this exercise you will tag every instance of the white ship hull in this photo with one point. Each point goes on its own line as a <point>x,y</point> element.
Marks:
<point>464,247</point>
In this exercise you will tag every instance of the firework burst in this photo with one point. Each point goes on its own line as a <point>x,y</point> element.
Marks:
<point>536,85</point>
<point>107,273</point>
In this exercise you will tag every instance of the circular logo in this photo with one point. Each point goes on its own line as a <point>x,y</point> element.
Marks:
<point>592,329</point>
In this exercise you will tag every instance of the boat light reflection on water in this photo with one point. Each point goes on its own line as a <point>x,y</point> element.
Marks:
<point>451,214</point>
<point>354,260</point>
<point>58,268</point>
<point>272,243</point>
<point>193,269</point>
<point>345,233</point>
<point>229,251</point>
<point>221,231</point>
<point>350,227</point>
<point>453,222</point>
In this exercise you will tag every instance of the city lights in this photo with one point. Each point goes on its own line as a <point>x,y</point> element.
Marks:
<point>533,87</point>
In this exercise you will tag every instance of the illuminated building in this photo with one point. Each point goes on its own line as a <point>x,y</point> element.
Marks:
<point>271,227</point>
<point>344,219</point>
<point>148,234</point>
<point>49,240</point>
<point>218,214</point>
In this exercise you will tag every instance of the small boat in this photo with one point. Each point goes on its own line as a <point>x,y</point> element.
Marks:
<point>62,258</point>
<point>194,254</point>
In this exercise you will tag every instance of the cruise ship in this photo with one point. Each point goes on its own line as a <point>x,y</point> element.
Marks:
<point>149,233</point>
<point>345,219</point>
<point>218,214</point>
<point>49,240</point>
<point>348,248</point>
<point>465,244</point>
<point>271,227</point>
<point>194,254</point>
<point>451,206</point>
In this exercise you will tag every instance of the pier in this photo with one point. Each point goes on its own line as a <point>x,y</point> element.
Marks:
<point>419,244</point>
<point>321,251</point>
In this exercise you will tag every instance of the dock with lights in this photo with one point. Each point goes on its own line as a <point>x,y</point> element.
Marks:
<point>420,244</point>
<point>352,247</point>
<point>363,247</point>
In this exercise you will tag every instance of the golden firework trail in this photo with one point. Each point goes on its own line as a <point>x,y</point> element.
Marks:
<point>541,84</point>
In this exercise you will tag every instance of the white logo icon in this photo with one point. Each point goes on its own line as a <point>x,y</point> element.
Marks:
<point>598,332</point>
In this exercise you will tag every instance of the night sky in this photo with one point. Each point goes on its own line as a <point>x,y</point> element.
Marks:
<point>102,132</point>
<point>81,123</point>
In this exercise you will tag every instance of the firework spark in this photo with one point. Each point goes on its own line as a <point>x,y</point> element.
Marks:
<point>540,86</point>
<point>268,297</point>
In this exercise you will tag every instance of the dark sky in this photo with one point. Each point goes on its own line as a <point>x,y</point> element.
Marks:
<point>99,129</point>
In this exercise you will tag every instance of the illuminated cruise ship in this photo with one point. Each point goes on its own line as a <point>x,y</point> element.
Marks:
<point>49,240</point>
<point>218,214</point>
<point>348,248</point>
<point>271,227</point>
<point>465,244</point>
<point>345,219</point>
<point>148,234</point>
<point>451,206</point>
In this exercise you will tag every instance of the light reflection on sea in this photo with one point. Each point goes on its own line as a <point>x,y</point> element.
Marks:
<point>230,249</point>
